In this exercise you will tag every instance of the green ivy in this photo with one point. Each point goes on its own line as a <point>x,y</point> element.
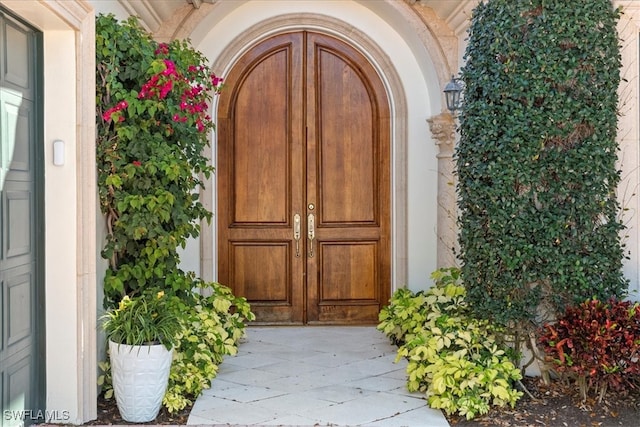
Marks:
<point>536,161</point>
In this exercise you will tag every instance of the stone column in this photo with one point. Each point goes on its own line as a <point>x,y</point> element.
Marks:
<point>443,129</point>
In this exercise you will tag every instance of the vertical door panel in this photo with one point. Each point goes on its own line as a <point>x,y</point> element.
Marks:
<point>261,143</point>
<point>346,142</point>
<point>348,180</point>
<point>17,69</point>
<point>260,139</point>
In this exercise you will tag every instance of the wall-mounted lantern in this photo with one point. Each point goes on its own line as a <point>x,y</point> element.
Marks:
<point>452,92</point>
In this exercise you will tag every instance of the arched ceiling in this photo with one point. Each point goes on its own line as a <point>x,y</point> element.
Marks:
<point>155,13</point>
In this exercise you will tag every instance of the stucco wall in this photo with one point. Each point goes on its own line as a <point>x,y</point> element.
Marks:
<point>629,138</point>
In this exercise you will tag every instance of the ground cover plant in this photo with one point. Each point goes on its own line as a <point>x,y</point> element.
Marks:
<point>536,161</point>
<point>429,327</point>
<point>456,359</point>
<point>152,126</point>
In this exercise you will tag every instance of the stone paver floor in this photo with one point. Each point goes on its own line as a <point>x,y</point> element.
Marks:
<point>313,375</point>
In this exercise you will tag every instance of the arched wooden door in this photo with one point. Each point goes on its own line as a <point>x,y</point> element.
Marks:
<point>304,182</point>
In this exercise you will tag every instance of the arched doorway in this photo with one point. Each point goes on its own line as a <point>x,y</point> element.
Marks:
<point>304,188</point>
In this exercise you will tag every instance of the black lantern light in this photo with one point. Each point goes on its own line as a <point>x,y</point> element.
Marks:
<point>452,92</point>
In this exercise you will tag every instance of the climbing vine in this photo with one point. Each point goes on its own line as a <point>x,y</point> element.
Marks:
<point>152,126</point>
<point>536,163</point>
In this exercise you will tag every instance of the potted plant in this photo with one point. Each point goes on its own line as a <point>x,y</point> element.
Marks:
<point>142,333</point>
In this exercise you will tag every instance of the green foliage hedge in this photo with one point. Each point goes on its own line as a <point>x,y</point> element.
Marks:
<point>536,162</point>
<point>457,360</point>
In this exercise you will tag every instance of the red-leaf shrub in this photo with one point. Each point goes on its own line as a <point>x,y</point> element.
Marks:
<point>597,344</point>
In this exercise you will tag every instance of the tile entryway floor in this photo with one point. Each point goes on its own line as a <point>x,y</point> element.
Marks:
<point>307,376</point>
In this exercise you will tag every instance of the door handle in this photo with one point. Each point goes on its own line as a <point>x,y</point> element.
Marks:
<point>296,233</point>
<point>311,232</point>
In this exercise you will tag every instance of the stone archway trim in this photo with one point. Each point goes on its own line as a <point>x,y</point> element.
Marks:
<point>436,36</point>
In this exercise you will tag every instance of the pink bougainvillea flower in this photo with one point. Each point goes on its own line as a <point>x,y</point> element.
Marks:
<point>171,68</point>
<point>107,115</point>
<point>199,125</point>
<point>216,80</point>
<point>165,89</point>
<point>149,88</point>
<point>163,49</point>
<point>176,117</point>
<point>179,119</point>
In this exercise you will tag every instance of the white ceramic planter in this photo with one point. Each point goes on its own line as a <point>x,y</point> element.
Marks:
<point>140,375</point>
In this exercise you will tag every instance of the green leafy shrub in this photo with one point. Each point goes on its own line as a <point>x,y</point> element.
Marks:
<point>457,360</point>
<point>408,311</point>
<point>105,381</point>
<point>596,344</point>
<point>536,161</point>
<point>211,327</point>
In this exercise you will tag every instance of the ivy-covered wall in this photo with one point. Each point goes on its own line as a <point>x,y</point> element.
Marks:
<point>537,158</point>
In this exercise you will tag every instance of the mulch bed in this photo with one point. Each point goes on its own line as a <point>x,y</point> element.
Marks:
<point>108,414</point>
<point>559,405</point>
<point>555,405</point>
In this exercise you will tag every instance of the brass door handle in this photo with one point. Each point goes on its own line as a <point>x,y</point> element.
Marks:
<point>296,233</point>
<point>311,232</point>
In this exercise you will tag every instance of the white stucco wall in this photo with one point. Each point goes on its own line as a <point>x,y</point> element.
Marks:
<point>629,139</point>
<point>110,6</point>
<point>221,28</point>
<point>60,211</point>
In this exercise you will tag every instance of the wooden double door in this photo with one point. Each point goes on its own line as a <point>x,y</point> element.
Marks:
<point>304,182</point>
